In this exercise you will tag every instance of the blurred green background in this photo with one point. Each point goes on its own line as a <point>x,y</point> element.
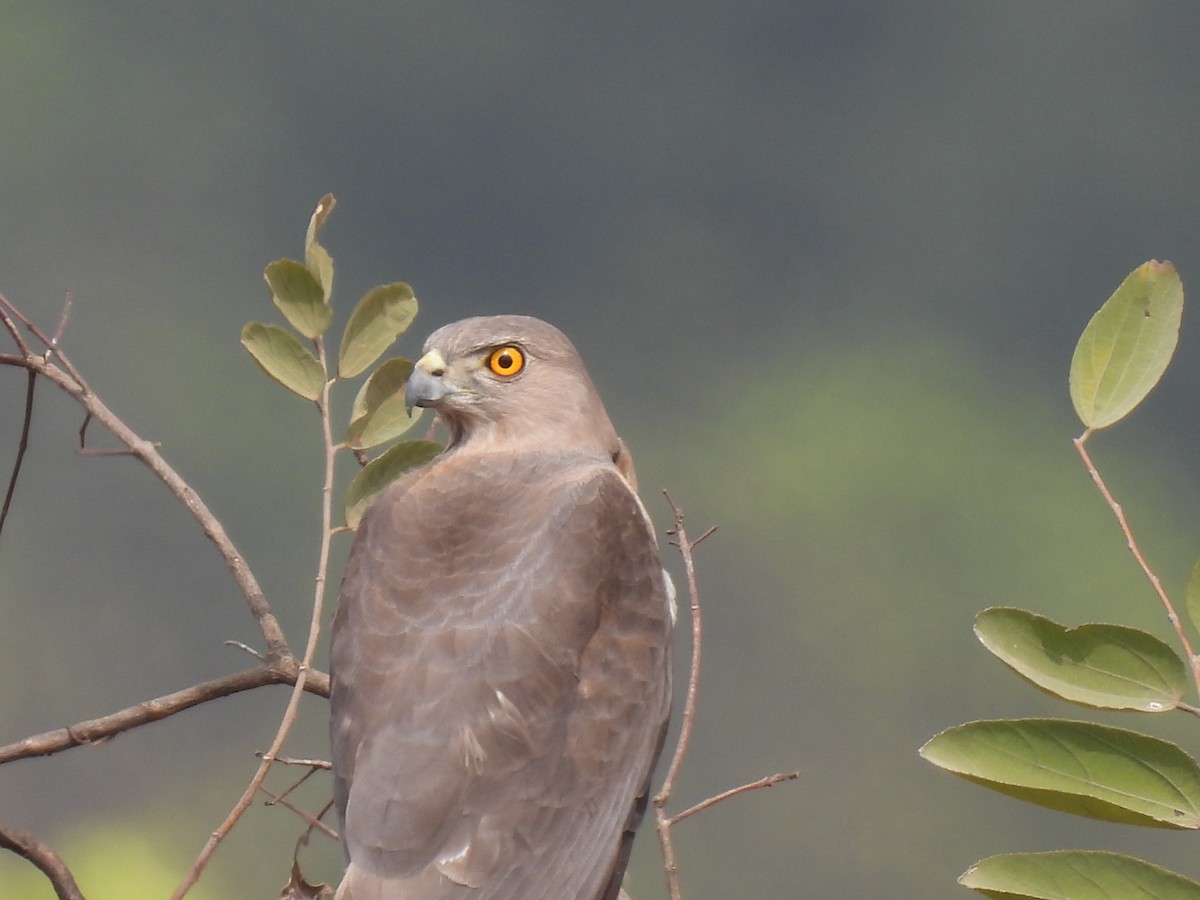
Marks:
<point>827,263</point>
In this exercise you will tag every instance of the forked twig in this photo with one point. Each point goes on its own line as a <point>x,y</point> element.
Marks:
<point>314,823</point>
<point>279,665</point>
<point>663,821</point>
<point>312,770</point>
<point>66,378</point>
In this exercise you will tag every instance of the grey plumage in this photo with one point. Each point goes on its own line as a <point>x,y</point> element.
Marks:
<point>501,646</point>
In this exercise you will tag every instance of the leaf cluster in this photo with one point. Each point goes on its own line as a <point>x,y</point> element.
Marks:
<point>1082,767</point>
<point>302,292</point>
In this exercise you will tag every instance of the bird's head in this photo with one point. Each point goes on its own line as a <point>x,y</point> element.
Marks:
<point>514,381</point>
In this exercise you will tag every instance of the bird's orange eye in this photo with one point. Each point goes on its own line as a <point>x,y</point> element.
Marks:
<point>507,361</point>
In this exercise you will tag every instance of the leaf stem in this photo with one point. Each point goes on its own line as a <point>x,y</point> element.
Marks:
<point>310,649</point>
<point>1119,513</point>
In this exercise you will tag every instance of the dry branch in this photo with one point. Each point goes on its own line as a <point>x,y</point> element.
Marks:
<point>662,821</point>
<point>768,781</point>
<point>95,730</point>
<point>43,856</point>
<point>67,379</point>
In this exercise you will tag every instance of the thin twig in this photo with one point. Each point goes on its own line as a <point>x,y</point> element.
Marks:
<point>50,343</point>
<point>11,327</point>
<point>68,380</point>
<point>769,781</point>
<point>62,322</point>
<point>662,821</point>
<point>314,631</point>
<point>245,648</point>
<point>43,856</point>
<point>22,445</point>
<point>296,784</point>
<point>94,731</point>
<point>314,822</point>
<point>308,763</point>
<point>1119,513</point>
<point>689,708</point>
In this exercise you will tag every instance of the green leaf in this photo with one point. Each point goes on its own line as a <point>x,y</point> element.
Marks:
<point>316,257</point>
<point>380,316</point>
<point>1127,345</point>
<point>299,296</point>
<point>1077,767</point>
<point>1076,875</point>
<point>381,472</point>
<point>1192,596</point>
<point>284,358</point>
<point>378,414</point>
<point>1103,666</point>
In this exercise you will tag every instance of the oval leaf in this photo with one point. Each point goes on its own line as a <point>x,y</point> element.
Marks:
<point>1192,596</point>
<point>316,257</point>
<point>299,296</point>
<point>381,472</point>
<point>1126,346</point>
<point>1076,875</point>
<point>1103,666</point>
<point>1077,767</point>
<point>378,414</point>
<point>380,316</point>
<point>281,355</point>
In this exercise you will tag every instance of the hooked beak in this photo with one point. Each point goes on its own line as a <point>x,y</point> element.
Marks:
<point>427,384</point>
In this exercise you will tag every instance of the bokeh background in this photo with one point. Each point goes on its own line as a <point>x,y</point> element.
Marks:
<point>827,263</point>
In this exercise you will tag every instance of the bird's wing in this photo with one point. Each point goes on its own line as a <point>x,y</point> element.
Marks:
<point>501,681</point>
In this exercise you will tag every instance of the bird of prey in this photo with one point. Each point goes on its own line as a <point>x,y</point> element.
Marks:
<point>500,654</point>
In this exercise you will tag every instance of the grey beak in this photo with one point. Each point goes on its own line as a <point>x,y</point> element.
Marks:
<point>424,389</point>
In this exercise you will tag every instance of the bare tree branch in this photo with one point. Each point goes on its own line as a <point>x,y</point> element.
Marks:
<point>69,381</point>
<point>43,856</point>
<point>94,731</point>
